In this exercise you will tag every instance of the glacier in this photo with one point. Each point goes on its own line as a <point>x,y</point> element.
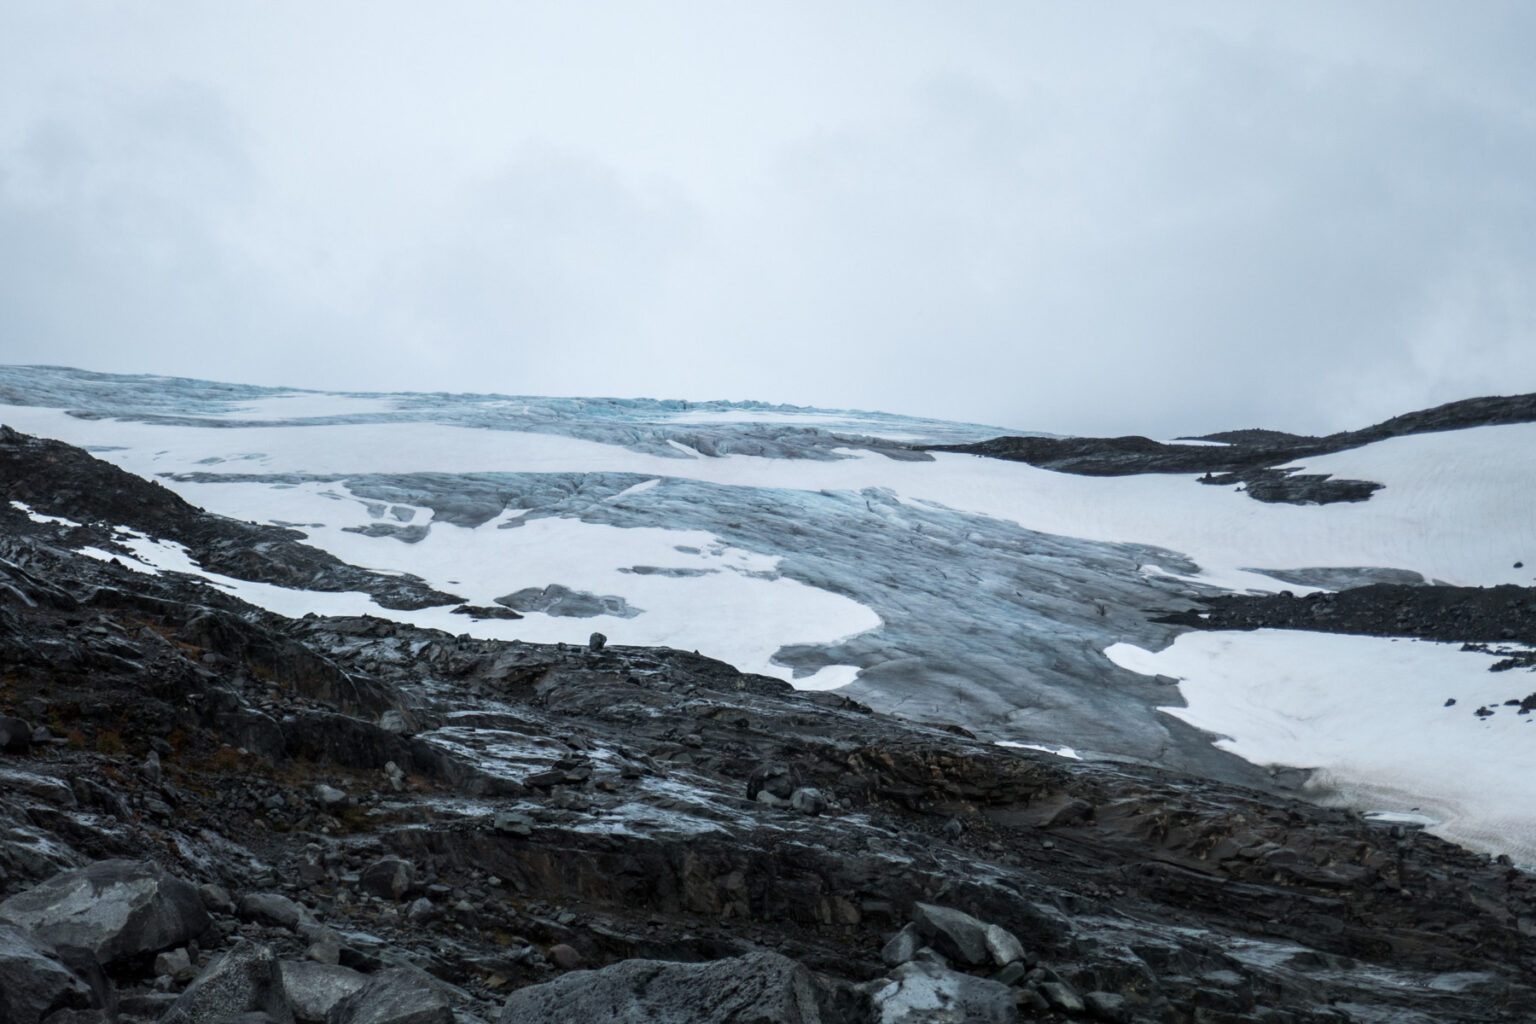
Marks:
<point>825,547</point>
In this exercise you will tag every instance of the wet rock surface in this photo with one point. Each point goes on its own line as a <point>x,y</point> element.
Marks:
<point>512,814</point>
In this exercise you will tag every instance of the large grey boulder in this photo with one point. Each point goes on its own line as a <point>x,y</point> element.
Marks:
<point>34,982</point>
<point>400,995</point>
<point>962,937</point>
<point>387,878</point>
<point>923,992</point>
<point>272,908</point>
<point>246,979</point>
<point>313,989</point>
<point>759,988</point>
<point>113,908</point>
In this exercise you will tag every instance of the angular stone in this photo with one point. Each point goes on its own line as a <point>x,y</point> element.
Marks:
<point>1002,945</point>
<point>245,979</point>
<point>962,937</point>
<point>388,878</point>
<point>903,946</point>
<point>759,988</point>
<point>275,909</point>
<point>313,988</point>
<point>1062,997</point>
<point>808,800</point>
<point>400,995</point>
<point>113,908</point>
<point>177,964</point>
<point>329,797</point>
<point>1107,1006</point>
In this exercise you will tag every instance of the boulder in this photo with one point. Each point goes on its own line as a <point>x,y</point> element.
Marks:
<point>34,982</point>
<point>114,908</point>
<point>313,989</point>
<point>1107,1006</point>
<point>400,995</point>
<point>15,735</point>
<point>921,992</point>
<point>272,908</point>
<point>330,798</point>
<point>759,988</point>
<point>963,938</point>
<point>564,956</point>
<point>246,979</point>
<point>776,779</point>
<point>388,878</point>
<point>177,964</point>
<point>1062,996</point>
<point>808,800</point>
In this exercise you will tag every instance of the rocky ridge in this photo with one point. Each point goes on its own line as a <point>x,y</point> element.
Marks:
<point>387,823</point>
<point>1254,459</point>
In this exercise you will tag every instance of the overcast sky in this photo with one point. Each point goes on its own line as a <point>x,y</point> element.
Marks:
<point>1073,216</point>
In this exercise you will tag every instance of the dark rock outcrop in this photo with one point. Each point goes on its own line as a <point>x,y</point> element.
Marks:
<point>34,981</point>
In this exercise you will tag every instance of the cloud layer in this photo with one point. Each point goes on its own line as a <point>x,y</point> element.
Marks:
<point>1087,217</point>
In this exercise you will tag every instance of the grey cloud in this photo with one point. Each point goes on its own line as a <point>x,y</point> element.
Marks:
<point>552,262</point>
<point>1098,220</point>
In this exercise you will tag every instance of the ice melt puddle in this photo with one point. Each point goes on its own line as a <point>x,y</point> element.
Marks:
<point>1371,715</point>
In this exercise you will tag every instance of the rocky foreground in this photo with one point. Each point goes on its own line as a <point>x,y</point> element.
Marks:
<point>208,812</point>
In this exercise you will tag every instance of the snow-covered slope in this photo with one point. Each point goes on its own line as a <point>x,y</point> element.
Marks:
<point>820,547</point>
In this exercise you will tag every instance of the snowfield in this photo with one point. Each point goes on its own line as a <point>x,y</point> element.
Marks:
<point>1370,714</point>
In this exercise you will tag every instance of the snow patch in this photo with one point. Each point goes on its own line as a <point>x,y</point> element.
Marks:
<point>1066,752</point>
<point>38,517</point>
<point>1369,714</point>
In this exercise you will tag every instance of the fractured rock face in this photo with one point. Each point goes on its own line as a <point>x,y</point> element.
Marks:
<point>759,988</point>
<point>34,982</point>
<point>114,908</point>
